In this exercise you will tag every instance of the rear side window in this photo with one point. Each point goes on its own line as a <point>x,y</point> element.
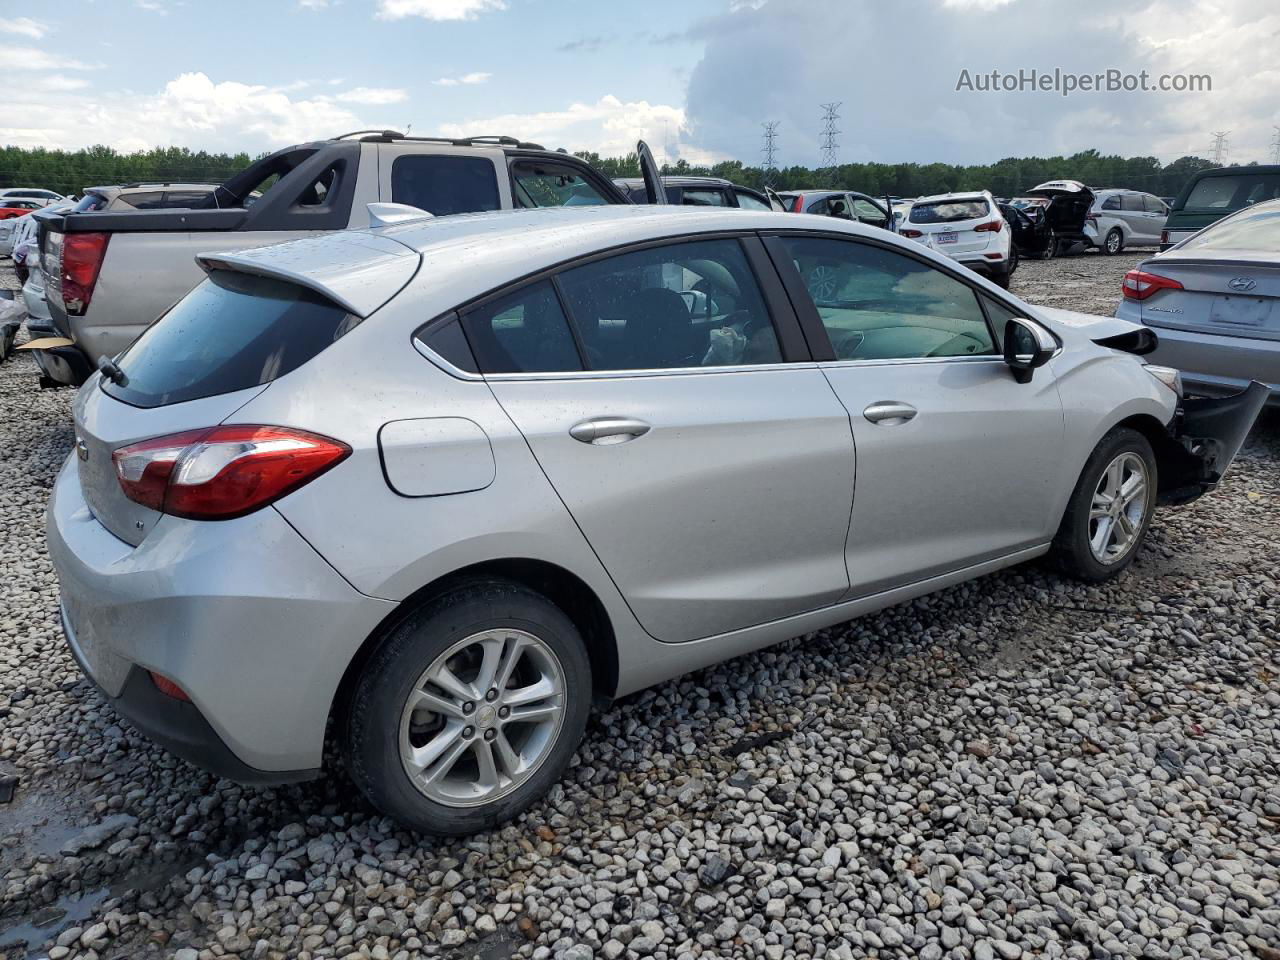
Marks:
<point>444,185</point>
<point>949,211</point>
<point>147,200</point>
<point>702,197</point>
<point>749,201</point>
<point>1111,203</point>
<point>232,332</point>
<point>522,332</point>
<point>553,185</point>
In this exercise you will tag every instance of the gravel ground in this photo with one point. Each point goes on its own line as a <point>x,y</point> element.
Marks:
<point>1016,767</point>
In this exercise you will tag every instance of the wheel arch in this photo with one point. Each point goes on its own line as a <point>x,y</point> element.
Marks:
<point>1169,453</point>
<point>566,590</point>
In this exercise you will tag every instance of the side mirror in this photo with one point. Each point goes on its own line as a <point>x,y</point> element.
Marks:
<point>1027,345</point>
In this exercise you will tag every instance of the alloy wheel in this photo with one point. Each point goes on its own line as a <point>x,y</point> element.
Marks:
<point>1119,508</point>
<point>482,718</point>
<point>1113,242</point>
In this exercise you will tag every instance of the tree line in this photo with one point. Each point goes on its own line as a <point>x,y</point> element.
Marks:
<point>70,171</point>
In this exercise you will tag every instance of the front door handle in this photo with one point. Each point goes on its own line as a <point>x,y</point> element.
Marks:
<point>889,412</point>
<point>606,430</point>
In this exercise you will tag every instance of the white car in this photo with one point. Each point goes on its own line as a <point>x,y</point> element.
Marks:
<point>42,197</point>
<point>1124,218</point>
<point>967,227</point>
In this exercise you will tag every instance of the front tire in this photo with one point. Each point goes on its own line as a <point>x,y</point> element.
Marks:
<point>470,709</point>
<point>1113,243</point>
<point>1110,510</point>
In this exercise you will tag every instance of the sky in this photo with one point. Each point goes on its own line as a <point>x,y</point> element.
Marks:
<point>695,78</point>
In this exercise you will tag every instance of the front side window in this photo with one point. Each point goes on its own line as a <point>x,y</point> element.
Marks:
<point>703,197</point>
<point>877,304</point>
<point>679,305</point>
<point>553,185</point>
<point>444,185</point>
<point>749,201</point>
<point>522,332</point>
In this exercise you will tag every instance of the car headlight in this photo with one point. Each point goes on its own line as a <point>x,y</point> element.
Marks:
<point>1170,377</point>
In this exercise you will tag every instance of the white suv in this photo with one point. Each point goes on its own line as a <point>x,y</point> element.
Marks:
<point>968,228</point>
<point>1123,218</point>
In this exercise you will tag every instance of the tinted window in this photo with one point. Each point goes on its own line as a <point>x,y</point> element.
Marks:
<point>444,185</point>
<point>450,343</point>
<point>948,211</point>
<point>749,201</point>
<point>1233,192</point>
<point>185,198</point>
<point>522,332</point>
<point>877,304</point>
<point>999,315</point>
<point>704,197</point>
<point>1154,204</point>
<point>145,200</point>
<point>681,305</point>
<point>1131,202</point>
<point>1252,230</point>
<point>553,185</point>
<point>89,203</point>
<point>1111,203</point>
<point>231,332</point>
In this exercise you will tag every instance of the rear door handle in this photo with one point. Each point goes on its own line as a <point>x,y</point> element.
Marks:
<point>889,412</point>
<point>607,430</point>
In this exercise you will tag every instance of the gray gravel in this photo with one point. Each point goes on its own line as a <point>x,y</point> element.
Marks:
<point>1016,767</point>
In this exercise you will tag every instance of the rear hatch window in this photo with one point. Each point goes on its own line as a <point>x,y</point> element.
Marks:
<point>949,211</point>
<point>1223,194</point>
<point>1254,230</point>
<point>232,332</point>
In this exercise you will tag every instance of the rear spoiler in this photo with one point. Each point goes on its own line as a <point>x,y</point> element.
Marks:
<point>358,271</point>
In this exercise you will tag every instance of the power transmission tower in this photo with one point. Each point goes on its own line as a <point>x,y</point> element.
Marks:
<point>1275,146</point>
<point>830,146</point>
<point>770,151</point>
<point>1219,147</point>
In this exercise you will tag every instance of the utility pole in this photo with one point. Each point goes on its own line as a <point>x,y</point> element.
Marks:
<point>770,151</point>
<point>830,146</point>
<point>1275,146</point>
<point>1219,146</point>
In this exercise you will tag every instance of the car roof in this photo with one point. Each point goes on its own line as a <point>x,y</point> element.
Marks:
<point>356,267</point>
<point>680,182</point>
<point>960,195</point>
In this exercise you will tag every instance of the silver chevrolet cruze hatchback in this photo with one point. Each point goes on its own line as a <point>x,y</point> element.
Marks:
<point>438,486</point>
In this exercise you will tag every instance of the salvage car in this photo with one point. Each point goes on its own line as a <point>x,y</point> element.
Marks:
<point>1215,301</point>
<point>967,227</point>
<point>110,273</point>
<point>1031,238</point>
<point>1211,195</point>
<point>697,192</point>
<point>1066,207</point>
<point>1124,218</point>
<point>448,482</point>
<point>147,196</point>
<point>842,204</point>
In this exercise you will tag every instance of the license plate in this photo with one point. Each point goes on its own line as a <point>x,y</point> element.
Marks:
<point>948,237</point>
<point>1240,311</point>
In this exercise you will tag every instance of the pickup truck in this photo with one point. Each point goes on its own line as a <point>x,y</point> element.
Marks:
<point>109,275</point>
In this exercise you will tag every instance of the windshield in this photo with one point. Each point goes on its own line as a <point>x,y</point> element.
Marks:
<point>1233,192</point>
<point>232,332</point>
<point>1253,230</point>
<point>949,211</point>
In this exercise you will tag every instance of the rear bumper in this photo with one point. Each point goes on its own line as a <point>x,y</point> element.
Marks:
<point>242,614</point>
<point>1218,366</point>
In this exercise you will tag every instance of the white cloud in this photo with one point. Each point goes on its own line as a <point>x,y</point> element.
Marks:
<point>373,96</point>
<point>39,60</point>
<point>467,78</point>
<point>151,6</point>
<point>437,9</point>
<point>23,27</point>
<point>60,82</point>
<point>609,127</point>
<point>313,4</point>
<point>191,111</point>
<point>976,4</point>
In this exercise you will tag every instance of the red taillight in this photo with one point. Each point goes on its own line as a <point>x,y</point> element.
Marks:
<point>1138,284</point>
<point>168,687</point>
<point>223,472</point>
<point>1164,237</point>
<point>82,255</point>
<point>1093,219</point>
<point>910,234</point>
<point>994,226</point>
<point>797,205</point>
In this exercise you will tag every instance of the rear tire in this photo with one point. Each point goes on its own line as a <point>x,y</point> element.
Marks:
<point>501,688</point>
<point>1051,248</point>
<point>1110,510</point>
